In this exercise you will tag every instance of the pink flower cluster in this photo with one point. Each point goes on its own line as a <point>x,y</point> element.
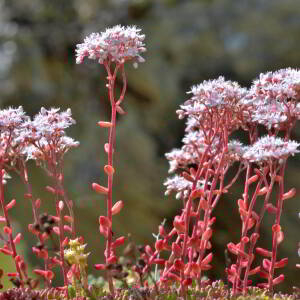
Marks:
<point>216,109</point>
<point>42,139</point>
<point>117,44</point>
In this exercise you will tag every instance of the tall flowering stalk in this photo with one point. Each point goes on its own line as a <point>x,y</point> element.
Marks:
<point>10,122</point>
<point>272,102</point>
<point>42,139</point>
<point>47,146</point>
<point>112,48</point>
<point>213,113</point>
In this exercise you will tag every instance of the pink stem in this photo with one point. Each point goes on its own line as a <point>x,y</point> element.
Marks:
<point>277,222</point>
<point>111,143</point>
<point>11,240</point>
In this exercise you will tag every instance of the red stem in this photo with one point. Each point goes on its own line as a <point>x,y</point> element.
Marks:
<point>61,228</point>
<point>111,143</point>
<point>11,240</point>
<point>277,222</point>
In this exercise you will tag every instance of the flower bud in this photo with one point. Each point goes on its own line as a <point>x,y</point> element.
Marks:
<point>56,230</point>
<point>104,124</point>
<point>161,230</point>
<point>254,237</point>
<point>37,203</point>
<point>266,264</point>
<point>99,188</point>
<point>252,179</point>
<point>159,261</point>
<point>176,249</point>
<point>159,245</point>
<point>18,238</point>
<point>179,224</point>
<point>118,242</point>
<point>7,230</point>
<point>6,251</point>
<point>241,204</point>
<point>245,240</point>
<point>65,242</point>
<point>68,219</point>
<point>276,228</point>
<point>103,230</point>
<point>11,204</point>
<point>279,237</point>
<point>104,221</point>
<point>100,267</point>
<point>148,250</point>
<point>281,263</point>
<point>271,208</point>
<point>46,274</point>
<point>67,228</point>
<point>61,205</point>
<point>206,260</point>
<point>106,147</point>
<point>262,191</point>
<point>178,264</point>
<point>291,193</point>
<point>207,234</point>
<point>254,271</point>
<point>120,110</point>
<point>263,252</point>
<point>50,189</point>
<point>117,207</point>
<point>278,279</point>
<point>111,260</point>
<point>109,170</point>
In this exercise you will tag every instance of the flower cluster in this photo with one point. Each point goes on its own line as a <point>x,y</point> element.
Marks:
<point>216,109</point>
<point>269,148</point>
<point>117,44</point>
<point>274,98</point>
<point>112,48</point>
<point>42,139</point>
<point>213,100</point>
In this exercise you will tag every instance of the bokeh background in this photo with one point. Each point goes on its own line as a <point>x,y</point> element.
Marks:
<point>188,42</point>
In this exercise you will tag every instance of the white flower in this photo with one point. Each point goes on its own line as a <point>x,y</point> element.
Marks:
<point>213,100</point>
<point>117,44</point>
<point>194,145</point>
<point>11,118</point>
<point>272,99</point>
<point>217,93</point>
<point>180,159</point>
<point>181,186</point>
<point>268,148</point>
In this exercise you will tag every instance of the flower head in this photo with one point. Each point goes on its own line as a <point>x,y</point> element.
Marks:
<point>117,44</point>
<point>213,99</point>
<point>11,118</point>
<point>181,186</point>
<point>281,85</point>
<point>270,147</point>
<point>46,134</point>
<point>273,98</point>
<point>11,127</point>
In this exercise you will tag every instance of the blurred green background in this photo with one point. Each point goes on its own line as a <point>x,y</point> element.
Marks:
<point>187,42</point>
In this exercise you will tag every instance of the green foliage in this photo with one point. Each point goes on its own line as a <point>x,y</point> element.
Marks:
<point>97,291</point>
